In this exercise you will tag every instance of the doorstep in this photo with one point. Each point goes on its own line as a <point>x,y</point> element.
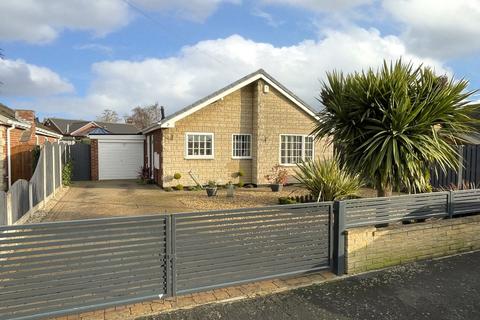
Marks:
<point>221,295</point>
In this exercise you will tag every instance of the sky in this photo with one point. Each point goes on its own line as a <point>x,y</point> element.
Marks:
<point>75,58</point>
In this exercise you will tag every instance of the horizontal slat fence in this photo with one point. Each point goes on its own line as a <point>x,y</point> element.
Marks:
<point>217,249</point>
<point>466,201</point>
<point>51,269</point>
<point>364,212</point>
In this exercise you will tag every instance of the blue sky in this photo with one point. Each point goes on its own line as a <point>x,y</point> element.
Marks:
<point>75,58</point>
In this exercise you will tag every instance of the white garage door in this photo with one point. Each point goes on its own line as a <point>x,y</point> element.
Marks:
<point>119,159</point>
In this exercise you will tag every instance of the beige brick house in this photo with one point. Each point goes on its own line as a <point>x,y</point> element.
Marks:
<point>250,126</point>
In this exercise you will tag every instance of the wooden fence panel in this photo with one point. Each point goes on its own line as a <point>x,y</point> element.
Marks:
<point>22,162</point>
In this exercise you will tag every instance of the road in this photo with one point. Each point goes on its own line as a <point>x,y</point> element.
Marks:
<point>448,288</point>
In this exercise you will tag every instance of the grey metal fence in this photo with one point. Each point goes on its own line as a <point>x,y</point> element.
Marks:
<point>49,168</point>
<point>216,249</point>
<point>57,158</point>
<point>51,269</point>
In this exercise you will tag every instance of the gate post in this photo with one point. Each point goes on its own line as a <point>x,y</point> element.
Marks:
<point>339,237</point>
<point>171,271</point>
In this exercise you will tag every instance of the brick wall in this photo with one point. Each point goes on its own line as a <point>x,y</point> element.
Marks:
<point>247,110</point>
<point>94,159</point>
<point>371,248</point>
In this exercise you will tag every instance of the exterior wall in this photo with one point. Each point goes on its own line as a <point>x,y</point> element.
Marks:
<point>371,248</point>
<point>94,159</point>
<point>223,118</point>
<point>248,110</point>
<point>3,158</point>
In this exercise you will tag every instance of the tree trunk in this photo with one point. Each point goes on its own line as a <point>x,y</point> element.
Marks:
<point>384,189</point>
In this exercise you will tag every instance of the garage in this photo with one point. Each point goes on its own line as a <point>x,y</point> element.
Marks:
<point>119,156</point>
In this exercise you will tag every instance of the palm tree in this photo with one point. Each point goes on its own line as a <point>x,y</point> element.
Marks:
<point>390,125</point>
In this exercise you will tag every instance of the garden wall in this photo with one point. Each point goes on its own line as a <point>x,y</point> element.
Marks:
<point>370,248</point>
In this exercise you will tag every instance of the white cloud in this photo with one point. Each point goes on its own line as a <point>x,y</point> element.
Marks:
<point>439,28</point>
<point>22,79</point>
<point>320,5</point>
<point>95,47</point>
<point>209,65</point>
<point>269,19</point>
<point>41,21</point>
<point>37,21</point>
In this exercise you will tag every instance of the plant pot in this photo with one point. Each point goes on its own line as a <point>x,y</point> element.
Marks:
<point>211,192</point>
<point>230,190</point>
<point>276,187</point>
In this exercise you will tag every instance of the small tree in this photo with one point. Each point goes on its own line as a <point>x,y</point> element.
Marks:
<point>391,124</point>
<point>109,115</point>
<point>142,117</point>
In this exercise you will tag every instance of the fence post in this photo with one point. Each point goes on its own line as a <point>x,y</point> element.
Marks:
<point>170,256</point>
<point>53,169</point>
<point>60,166</point>
<point>339,237</point>
<point>450,203</point>
<point>30,195</point>
<point>44,150</point>
<point>460,167</point>
<point>8,205</point>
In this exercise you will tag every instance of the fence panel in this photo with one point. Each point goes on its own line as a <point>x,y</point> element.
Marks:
<point>49,172</point>
<point>51,269</point>
<point>364,212</point>
<point>221,248</point>
<point>20,201</point>
<point>3,208</point>
<point>58,164</point>
<point>466,201</point>
<point>38,179</point>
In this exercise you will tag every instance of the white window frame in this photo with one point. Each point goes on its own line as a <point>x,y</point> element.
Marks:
<point>233,145</point>
<point>187,156</point>
<point>303,148</point>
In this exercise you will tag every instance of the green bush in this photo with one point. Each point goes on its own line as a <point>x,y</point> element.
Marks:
<point>286,200</point>
<point>67,173</point>
<point>167,189</point>
<point>328,179</point>
<point>240,184</point>
<point>177,176</point>
<point>179,187</point>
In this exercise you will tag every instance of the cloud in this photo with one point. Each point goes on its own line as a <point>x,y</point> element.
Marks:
<point>443,29</point>
<point>270,20</point>
<point>22,79</point>
<point>209,65</point>
<point>320,5</point>
<point>40,22</point>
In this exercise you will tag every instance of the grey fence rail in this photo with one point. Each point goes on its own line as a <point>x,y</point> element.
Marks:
<point>53,269</point>
<point>47,178</point>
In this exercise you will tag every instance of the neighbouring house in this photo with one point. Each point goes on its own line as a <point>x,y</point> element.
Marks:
<point>77,129</point>
<point>20,133</point>
<point>248,126</point>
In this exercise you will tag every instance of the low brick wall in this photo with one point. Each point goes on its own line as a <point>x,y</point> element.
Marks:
<point>371,248</point>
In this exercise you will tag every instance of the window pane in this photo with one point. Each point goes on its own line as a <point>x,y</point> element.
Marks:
<point>200,145</point>
<point>241,145</point>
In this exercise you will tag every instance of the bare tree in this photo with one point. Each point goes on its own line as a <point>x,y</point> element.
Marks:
<point>109,115</point>
<point>142,117</point>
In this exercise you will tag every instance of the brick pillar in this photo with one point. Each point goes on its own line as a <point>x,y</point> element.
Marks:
<point>94,159</point>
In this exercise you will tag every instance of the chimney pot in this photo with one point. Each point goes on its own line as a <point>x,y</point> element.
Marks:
<point>162,111</point>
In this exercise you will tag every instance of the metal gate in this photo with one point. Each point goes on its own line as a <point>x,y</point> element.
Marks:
<point>223,248</point>
<point>80,155</point>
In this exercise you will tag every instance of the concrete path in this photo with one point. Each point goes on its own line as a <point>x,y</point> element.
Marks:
<point>103,199</point>
<point>438,289</point>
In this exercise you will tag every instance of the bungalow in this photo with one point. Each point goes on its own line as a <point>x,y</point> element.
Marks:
<point>248,126</point>
<point>20,133</point>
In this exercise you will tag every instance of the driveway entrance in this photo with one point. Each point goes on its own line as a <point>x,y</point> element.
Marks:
<point>116,198</point>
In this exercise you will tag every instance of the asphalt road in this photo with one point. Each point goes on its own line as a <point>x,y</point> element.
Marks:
<point>439,289</point>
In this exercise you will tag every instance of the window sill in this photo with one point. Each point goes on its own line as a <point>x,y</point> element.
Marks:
<point>242,158</point>
<point>199,158</point>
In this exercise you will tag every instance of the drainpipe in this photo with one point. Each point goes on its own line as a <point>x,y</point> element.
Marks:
<point>9,156</point>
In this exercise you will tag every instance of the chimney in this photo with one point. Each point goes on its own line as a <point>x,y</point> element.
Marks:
<point>162,111</point>
<point>26,116</point>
